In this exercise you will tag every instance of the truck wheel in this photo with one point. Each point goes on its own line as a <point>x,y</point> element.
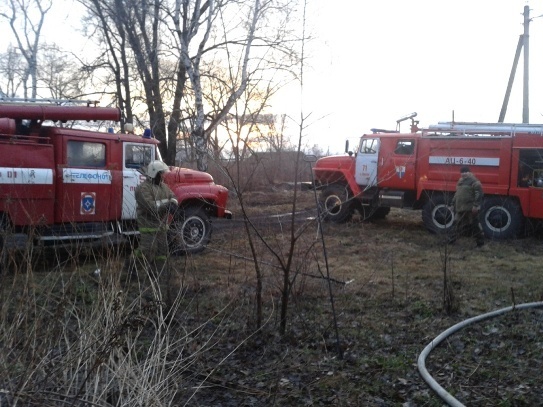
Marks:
<point>190,231</point>
<point>501,218</point>
<point>335,203</point>
<point>437,215</point>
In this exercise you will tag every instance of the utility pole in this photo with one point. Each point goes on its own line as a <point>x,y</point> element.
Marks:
<point>526,92</point>
<point>523,43</point>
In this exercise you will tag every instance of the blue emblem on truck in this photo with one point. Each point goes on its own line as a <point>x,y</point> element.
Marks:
<point>88,203</point>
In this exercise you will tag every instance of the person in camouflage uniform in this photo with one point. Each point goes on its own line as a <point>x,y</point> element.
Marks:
<point>155,201</point>
<point>467,202</point>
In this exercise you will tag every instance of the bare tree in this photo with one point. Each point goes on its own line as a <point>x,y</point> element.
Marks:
<point>172,47</point>
<point>192,66</point>
<point>273,136</point>
<point>131,33</point>
<point>60,75</point>
<point>249,128</point>
<point>26,18</point>
<point>12,68</point>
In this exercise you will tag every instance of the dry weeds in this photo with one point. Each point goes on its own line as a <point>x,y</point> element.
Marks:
<point>388,292</point>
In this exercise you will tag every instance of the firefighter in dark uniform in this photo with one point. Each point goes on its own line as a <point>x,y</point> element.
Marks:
<point>155,201</point>
<point>467,202</point>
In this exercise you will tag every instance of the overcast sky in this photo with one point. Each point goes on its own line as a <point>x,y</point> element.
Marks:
<point>380,60</point>
<point>373,61</point>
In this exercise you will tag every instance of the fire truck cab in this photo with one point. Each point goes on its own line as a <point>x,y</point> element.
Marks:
<point>62,184</point>
<point>419,170</point>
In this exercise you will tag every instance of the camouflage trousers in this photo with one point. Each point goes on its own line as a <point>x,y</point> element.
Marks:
<point>152,253</point>
<point>467,224</point>
<point>153,242</point>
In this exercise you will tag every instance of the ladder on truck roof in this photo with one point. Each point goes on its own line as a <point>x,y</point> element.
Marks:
<point>49,101</point>
<point>488,127</point>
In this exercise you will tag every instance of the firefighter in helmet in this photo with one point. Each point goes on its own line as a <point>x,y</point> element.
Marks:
<point>155,201</point>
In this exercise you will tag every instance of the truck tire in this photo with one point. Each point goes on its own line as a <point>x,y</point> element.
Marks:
<point>437,215</point>
<point>335,204</point>
<point>190,231</point>
<point>501,218</point>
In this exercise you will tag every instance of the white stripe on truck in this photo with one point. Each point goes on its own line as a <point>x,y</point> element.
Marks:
<point>25,176</point>
<point>85,176</point>
<point>485,161</point>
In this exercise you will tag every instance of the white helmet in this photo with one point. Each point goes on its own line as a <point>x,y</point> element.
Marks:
<point>155,167</point>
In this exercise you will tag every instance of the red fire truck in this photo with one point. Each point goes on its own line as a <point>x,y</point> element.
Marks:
<point>419,169</point>
<point>63,183</point>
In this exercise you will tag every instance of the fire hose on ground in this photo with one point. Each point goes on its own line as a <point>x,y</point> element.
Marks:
<point>421,363</point>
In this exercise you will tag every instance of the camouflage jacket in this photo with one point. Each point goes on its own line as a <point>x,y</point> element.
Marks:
<point>152,201</point>
<point>469,194</point>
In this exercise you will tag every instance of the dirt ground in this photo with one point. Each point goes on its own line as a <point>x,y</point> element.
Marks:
<point>365,299</point>
<point>389,299</point>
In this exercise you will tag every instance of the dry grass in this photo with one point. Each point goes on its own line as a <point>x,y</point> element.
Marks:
<point>193,340</point>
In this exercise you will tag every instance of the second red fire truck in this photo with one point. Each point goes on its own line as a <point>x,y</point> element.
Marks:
<point>419,169</point>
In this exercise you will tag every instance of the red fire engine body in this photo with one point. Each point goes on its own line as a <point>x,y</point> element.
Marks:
<point>60,184</point>
<point>420,169</point>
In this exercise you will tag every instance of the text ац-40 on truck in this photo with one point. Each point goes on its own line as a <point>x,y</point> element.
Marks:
<point>419,169</point>
<point>63,184</point>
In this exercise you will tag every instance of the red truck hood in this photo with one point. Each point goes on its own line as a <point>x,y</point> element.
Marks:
<point>335,162</point>
<point>336,168</point>
<point>180,176</point>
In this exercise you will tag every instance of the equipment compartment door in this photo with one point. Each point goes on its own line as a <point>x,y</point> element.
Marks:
<point>27,187</point>
<point>366,162</point>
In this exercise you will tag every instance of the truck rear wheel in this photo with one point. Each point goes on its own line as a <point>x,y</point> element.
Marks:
<point>190,231</point>
<point>437,215</point>
<point>501,218</point>
<point>335,203</point>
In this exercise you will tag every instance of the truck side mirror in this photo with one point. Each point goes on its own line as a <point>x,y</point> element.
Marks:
<point>347,149</point>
